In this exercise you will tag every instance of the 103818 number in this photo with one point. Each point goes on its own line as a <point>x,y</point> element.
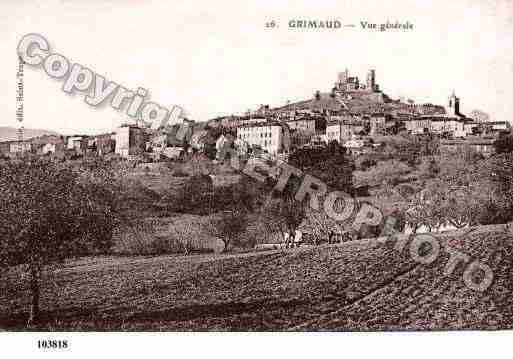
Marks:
<point>52,344</point>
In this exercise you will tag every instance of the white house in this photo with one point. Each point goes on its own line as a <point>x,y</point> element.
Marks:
<point>271,136</point>
<point>48,148</point>
<point>72,141</point>
<point>305,124</point>
<point>20,146</point>
<point>129,140</point>
<point>354,143</point>
<point>500,125</point>
<point>342,128</point>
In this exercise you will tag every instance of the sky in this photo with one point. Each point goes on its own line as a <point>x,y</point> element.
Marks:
<point>219,58</point>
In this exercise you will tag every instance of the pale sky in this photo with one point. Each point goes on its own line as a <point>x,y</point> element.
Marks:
<point>217,58</point>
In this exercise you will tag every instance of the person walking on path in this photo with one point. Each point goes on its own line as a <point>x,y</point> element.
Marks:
<point>286,235</point>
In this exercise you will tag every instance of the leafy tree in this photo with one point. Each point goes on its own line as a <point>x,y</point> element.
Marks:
<point>495,176</point>
<point>247,195</point>
<point>504,144</point>
<point>228,225</point>
<point>50,212</point>
<point>283,214</point>
<point>427,169</point>
<point>467,192</point>
<point>281,211</point>
<point>210,150</point>
<point>459,168</point>
<point>364,162</point>
<point>319,225</point>
<point>330,164</point>
<point>425,209</point>
<point>442,203</point>
<point>410,148</point>
<point>385,173</point>
<point>195,196</point>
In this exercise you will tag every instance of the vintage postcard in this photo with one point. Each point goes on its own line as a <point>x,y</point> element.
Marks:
<point>268,166</point>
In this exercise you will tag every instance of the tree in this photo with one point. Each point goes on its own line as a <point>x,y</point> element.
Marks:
<point>427,169</point>
<point>504,144</point>
<point>467,192</point>
<point>281,211</point>
<point>319,225</point>
<point>329,164</point>
<point>410,148</point>
<point>228,225</point>
<point>495,178</point>
<point>210,150</point>
<point>443,203</point>
<point>385,173</point>
<point>194,196</point>
<point>50,212</point>
<point>426,208</point>
<point>246,195</point>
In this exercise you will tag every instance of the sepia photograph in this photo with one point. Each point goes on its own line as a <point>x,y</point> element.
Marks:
<point>329,172</point>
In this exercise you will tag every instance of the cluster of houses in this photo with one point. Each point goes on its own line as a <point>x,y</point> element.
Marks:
<point>355,115</point>
<point>57,144</point>
<point>127,141</point>
<point>352,114</point>
<point>356,131</point>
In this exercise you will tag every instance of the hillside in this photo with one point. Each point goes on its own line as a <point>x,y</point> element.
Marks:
<point>361,103</point>
<point>11,133</point>
<point>360,285</point>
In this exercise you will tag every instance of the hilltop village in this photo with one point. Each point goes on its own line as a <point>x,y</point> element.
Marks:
<point>357,115</point>
<point>146,215</point>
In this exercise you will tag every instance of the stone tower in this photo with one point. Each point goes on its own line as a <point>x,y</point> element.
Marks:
<point>371,80</point>
<point>342,76</point>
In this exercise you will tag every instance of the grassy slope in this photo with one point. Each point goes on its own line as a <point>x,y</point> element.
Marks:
<point>361,285</point>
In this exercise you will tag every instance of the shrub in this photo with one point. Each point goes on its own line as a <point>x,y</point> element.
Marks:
<point>385,173</point>
<point>228,226</point>
<point>179,172</point>
<point>155,236</point>
<point>329,164</point>
<point>194,196</point>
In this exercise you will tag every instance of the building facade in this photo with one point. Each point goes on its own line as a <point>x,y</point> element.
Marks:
<point>377,124</point>
<point>73,141</point>
<point>271,136</point>
<point>20,146</point>
<point>485,146</point>
<point>342,128</point>
<point>130,140</point>
<point>305,124</point>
